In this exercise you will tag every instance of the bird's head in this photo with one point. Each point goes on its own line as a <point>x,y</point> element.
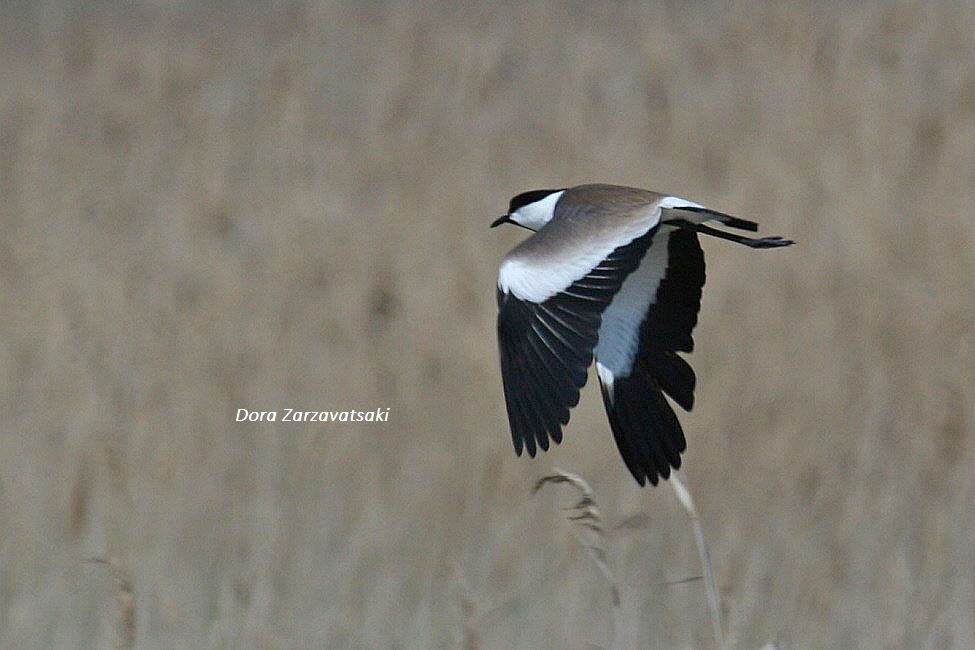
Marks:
<point>531,210</point>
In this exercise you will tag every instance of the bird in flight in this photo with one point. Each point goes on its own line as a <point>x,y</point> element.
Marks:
<point>613,273</point>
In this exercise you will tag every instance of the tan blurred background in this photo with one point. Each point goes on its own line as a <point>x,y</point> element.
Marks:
<point>267,206</point>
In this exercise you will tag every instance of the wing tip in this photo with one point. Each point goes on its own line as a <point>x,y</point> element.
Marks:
<point>648,434</point>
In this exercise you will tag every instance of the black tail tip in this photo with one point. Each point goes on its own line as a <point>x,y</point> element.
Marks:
<point>740,224</point>
<point>726,219</point>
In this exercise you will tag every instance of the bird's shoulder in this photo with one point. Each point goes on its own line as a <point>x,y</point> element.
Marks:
<point>590,218</point>
<point>603,199</point>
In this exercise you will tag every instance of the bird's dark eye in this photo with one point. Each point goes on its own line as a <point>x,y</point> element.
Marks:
<point>525,198</point>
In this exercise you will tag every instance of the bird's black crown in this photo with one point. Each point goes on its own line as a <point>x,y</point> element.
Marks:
<point>525,198</point>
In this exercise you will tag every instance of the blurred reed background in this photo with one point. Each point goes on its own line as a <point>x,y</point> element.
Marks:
<point>249,205</point>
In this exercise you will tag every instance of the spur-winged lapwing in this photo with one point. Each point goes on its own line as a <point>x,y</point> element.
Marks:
<point>616,273</point>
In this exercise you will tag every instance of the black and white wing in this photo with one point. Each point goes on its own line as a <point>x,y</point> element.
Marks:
<point>649,320</point>
<point>550,300</point>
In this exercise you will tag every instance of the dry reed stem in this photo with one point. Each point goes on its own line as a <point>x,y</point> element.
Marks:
<point>587,521</point>
<point>714,601</point>
<point>122,635</point>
